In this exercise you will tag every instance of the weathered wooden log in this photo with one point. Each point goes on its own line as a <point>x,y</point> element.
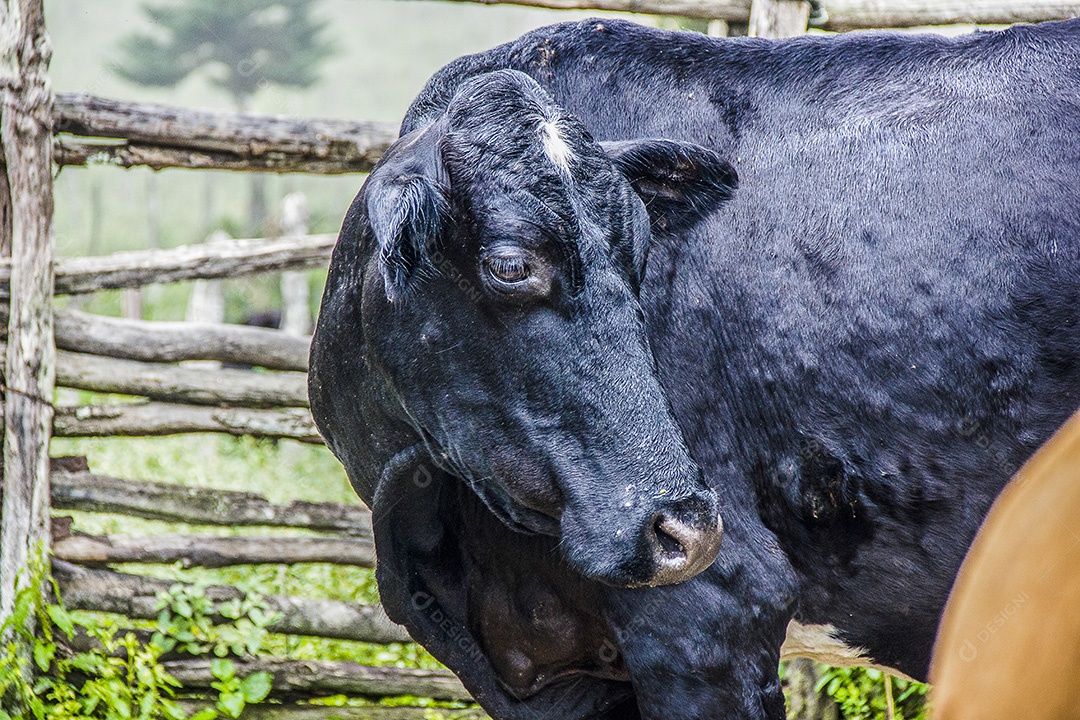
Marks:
<point>74,487</point>
<point>842,15</point>
<point>155,419</point>
<point>73,151</point>
<point>161,136</point>
<point>295,288</point>
<point>214,259</point>
<point>307,678</point>
<point>839,15</point>
<point>734,11</point>
<point>176,341</point>
<point>136,597</point>
<point>25,120</point>
<point>321,712</point>
<point>213,551</point>
<point>178,384</point>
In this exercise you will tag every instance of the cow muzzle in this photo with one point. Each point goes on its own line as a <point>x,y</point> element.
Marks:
<point>682,550</point>
<point>643,543</point>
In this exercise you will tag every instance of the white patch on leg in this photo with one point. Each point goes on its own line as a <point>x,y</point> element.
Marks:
<point>823,643</point>
<point>555,147</point>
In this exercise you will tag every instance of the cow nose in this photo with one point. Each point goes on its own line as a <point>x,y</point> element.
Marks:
<point>683,550</point>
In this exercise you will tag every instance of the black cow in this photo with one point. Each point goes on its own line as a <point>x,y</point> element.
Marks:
<point>612,281</point>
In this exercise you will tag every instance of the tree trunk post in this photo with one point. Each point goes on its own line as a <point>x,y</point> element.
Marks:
<point>804,701</point>
<point>778,18</point>
<point>295,294</point>
<point>718,28</point>
<point>26,132</point>
<point>207,301</point>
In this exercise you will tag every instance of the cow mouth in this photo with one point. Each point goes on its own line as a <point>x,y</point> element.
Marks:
<point>512,514</point>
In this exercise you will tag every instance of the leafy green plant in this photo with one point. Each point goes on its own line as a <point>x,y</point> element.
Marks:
<point>234,693</point>
<point>864,694</point>
<point>116,678</point>
<point>119,677</point>
<point>186,622</point>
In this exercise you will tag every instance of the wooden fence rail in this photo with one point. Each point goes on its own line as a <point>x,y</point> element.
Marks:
<point>843,15</point>
<point>209,260</point>
<point>305,678</point>
<point>74,487</point>
<point>838,15</point>
<point>165,342</point>
<point>212,551</point>
<point>161,136</point>
<point>155,419</point>
<point>179,384</point>
<point>136,596</point>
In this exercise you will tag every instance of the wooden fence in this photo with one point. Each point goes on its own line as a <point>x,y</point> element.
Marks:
<point>46,348</point>
<point>139,358</point>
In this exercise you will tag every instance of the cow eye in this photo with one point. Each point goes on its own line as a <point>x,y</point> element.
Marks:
<point>515,274</point>
<point>508,269</point>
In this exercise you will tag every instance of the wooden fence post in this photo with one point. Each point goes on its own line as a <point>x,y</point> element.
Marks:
<point>718,28</point>
<point>295,295</point>
<point>207,301</point>
<point>26,131</point>
<point>778,18</point>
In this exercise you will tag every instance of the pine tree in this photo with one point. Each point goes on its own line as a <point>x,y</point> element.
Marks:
<point>244,45</point>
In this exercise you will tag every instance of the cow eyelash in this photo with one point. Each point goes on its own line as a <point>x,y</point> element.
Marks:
<point>508,269</point>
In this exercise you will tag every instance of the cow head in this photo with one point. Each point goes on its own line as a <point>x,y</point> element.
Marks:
<point>498,259</point>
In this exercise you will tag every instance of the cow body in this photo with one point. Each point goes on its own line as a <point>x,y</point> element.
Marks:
<point>860,343</point>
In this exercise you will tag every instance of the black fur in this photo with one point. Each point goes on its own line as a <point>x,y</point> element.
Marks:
<point>858,317</point>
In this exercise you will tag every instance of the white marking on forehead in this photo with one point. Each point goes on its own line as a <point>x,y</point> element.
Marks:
<point>823,643</point>
<point>555,147</point>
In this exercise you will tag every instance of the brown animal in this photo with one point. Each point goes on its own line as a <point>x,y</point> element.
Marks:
<point>1009,643</point>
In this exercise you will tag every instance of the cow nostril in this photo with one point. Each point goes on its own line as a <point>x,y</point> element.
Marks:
<point>683,550</point>
<point>669,543</point>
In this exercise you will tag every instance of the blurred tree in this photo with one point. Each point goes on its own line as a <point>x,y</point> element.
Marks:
<point>244,46</point>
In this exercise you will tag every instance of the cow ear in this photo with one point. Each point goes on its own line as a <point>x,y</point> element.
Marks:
<point>679,182</point>
<point>407,207</point>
